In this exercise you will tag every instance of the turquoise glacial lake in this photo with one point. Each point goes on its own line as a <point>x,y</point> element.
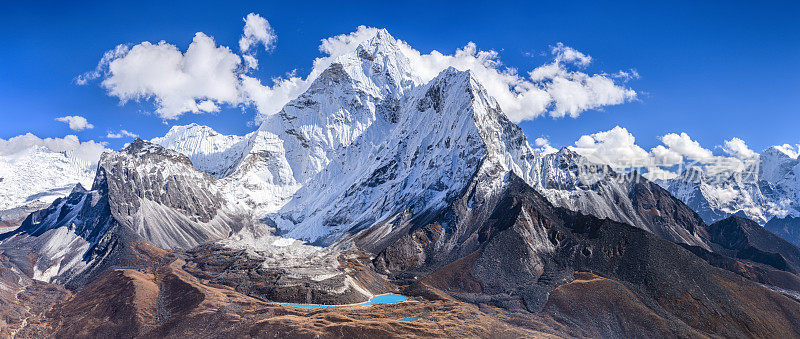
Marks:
<point>378,299</point>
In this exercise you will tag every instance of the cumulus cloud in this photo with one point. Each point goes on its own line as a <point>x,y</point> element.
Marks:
<point>100,69</point>
<point>88,151</point>
<point>569,54</point>
<point>663,156</point>
<point>197,81</point>
<point>76,122</point>
<point>576,92</point>
<point>121,134</point>
<point>683,145</point>
<point>791,151</point>
<point>257,30</point>
<point>616,148</point>
<point>737,148</point>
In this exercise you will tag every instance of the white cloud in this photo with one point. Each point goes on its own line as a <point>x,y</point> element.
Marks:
<point>616,148</point>
<point>257,30</point>
<point>76,122</point>
<point>792,152</point>
<point>576,92</point>
<point>657,173</point>
<point>569,54</point>
<point>678,151</point>
<point>663,156</point>
<point>684,145</point>
<point>88,151</point>
<point>196,81</point>
<point>737,148</point>
<point>269,100</point>
<point>121,134</point>
<point>551,89</point>
<point>98,72</point>
<point>250,61</point>
<point>543,145</point>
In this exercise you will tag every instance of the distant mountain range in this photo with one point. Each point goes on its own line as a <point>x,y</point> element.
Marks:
<point>766,187</point>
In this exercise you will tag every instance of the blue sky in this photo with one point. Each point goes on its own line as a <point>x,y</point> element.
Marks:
<point>714,70</point>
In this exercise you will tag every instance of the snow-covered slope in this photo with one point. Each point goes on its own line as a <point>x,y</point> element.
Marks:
<point>764,188</point>
<point>416,164</point>
<point>32,177</point>
<point>208,150</point>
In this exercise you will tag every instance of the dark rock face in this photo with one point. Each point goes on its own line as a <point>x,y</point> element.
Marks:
<point>787,228</point>
<point>742,238</point>
<point>147,171</point>
<point>665,215</point>
<point>548,268</point>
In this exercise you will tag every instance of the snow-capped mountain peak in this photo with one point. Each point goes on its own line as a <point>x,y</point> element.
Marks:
<point>775,164</point>
<point>34,172</point>
<point>380,67</point>
<point>208,150</point>
<point>445,131</point>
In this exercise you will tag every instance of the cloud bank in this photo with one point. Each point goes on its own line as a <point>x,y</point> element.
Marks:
<point>617,148</point>
<point>556,88</point>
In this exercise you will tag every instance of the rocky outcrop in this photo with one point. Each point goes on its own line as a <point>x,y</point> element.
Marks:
<point>742,238</point>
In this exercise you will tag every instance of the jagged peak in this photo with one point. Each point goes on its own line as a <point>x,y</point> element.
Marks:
<point>335,73</point>
<point>78,188</point>
<point>453,73</point>
<point>378,65</point>
<point>143,149</point>
<point>453,77</point>
<point>381,41</point>
<point>139,146</point>
<point>569,155</point>
<point>779,152</point>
